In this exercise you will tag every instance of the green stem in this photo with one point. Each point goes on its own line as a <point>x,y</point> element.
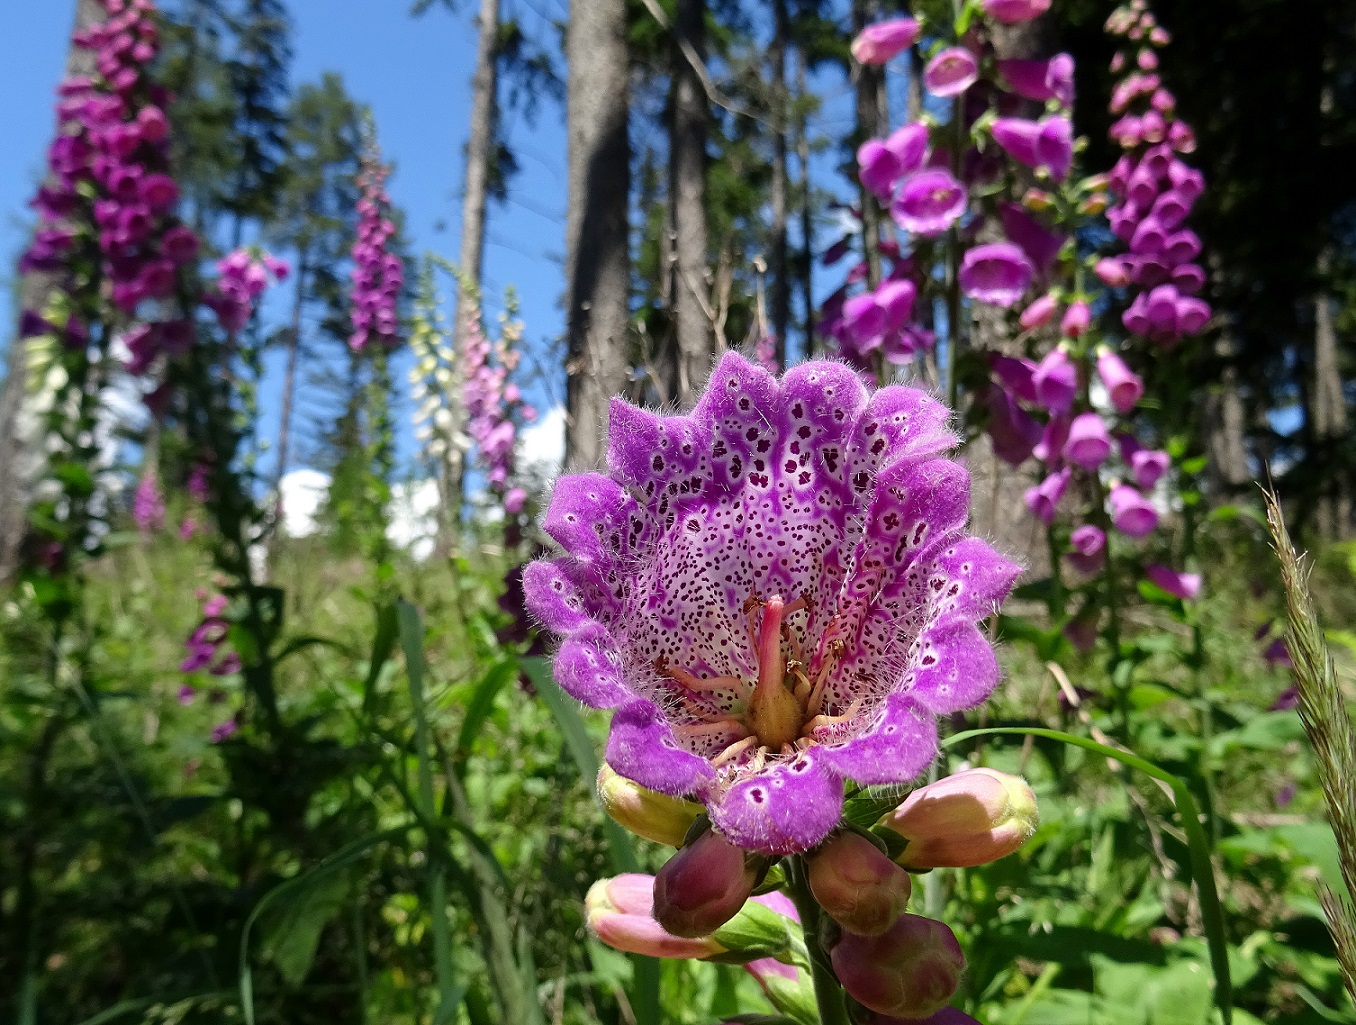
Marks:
<point>828,993</point>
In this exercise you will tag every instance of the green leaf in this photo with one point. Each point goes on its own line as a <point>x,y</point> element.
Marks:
<point>291,940</point>
<point>480,706</point>
<point>300,644</point>
<point>383,646</point>
<point>1198,847</point>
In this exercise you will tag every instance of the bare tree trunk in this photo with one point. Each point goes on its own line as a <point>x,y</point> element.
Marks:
<point>597,260</point>
<point>807,227</point>
<point>19,463</point>
<point>687,183</point>
<point>290,381</point>
<point>1329,412</point>
<point>867,85</point>
<point>1225,419</point>
<point>777,263</point>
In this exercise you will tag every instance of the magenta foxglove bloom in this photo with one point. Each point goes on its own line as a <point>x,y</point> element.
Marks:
<point>1038,313</point>
<point>1077,319</point>
<point>1088,544</point>
<point>1051,79</point>
<point>148,506</point>
<point>1014,12</point>
<point>1089,442</point>
<point>1043,500</point>
<point>1041,246</point>
<point>929,202</point>
<point>1186,586</point>
<point>1012,431</point>
<point>1017,375</point>
<point>884,40</point>
<point>951,72</point>
<point>1056,381</point>
<point>776,593</point>
<point>909,144</point>
<point>878,168</point>
<point>997,272</point>
<point>1122,384</point>
<point>863,320</point>
<point>1045,143</point>
<point>1132,513</point>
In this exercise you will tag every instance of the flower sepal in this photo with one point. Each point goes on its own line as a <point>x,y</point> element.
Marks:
<point>655,816</point>
<point>758,931</point>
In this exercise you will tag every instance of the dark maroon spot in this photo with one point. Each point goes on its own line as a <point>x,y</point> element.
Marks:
<point>658,463</point>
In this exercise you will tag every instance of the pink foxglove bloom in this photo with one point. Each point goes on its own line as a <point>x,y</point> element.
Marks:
<point>148,506</point>
<point>1056,381</point>
<point>909,144</point>
<point>1013,433</point>
<point>1077,319</point>
<point>885,40</point>
<point>1040,246</point>
<point>1014,12</point>
<point>1038,80</point>
<point>1038,314</point>
<point>951,72</point>
<point>776,593</point>
<point>878,168</point>
<point>1132,513</point>
<point>1122,384</point>
<point>972,817</point>
<point>1088,548</point>
<point>1043,500</point>
<point>1147,465</point>
<point>997,273</point>
<point>896,298</point>
<point>1186,586</point>
<point>1045,143</point>
<point>929,202</point>
<point>1089,442</point>
<point>378,273</point>
<point>1016,374</point>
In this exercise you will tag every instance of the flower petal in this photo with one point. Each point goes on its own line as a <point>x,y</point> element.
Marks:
<point>788,808</point>
<point>590,670</point>
<point>894,749</point>
<point>642,747</point>
<point>955,668</point>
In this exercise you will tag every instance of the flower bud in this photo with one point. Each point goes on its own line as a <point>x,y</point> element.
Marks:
<point>970,818</point>
<point>857,885</point>
<point>1076,320</point>
<point>909,972</point>
<point>656,817</point>
<point>618,912</point>
<point>703,886</point>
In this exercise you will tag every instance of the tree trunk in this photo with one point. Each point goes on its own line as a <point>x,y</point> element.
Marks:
<point>777,262</point>
<point>807,227</point>
<point>687,184</point>
<point>290,382</point>
<point>1329,413</point>
<point>868,89</point>
<point>597,261</point>
<point>19,444</point>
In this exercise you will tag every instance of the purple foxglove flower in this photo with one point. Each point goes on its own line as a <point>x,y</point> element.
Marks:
<point>1171,209</point>
<point>703,886</point>
<point>1122,384</point>
<point>1188,279</point>
<point>148,506</point>
<point>1039,312</point>
<point>909,144</point>
<point>951,72</point>
<point>1056,380</point>
<point>187,694</point>
<point>1277,653</point>
<point>1181,137</point>
<point>997,273</point>
<point>1148,237</point>
<point>895,298</point>
<point>878,43</point>
<point>224,729</point>
<point>1077,319</point>
<point>1112,272</point>
<point>1188,182</point>
<point>1081,633</point>
<point>972,817</point>
<point>1040,246</point>
<point>1150,269</point>
<point>1018,138</point>
<point>1014,12</point>
<point>1017,375</point>
<point>672,557</point>
<point>1051,79</point>
<point>836,252</point>
<point>1013,433</point>
<point>1089,442</point>
<point>910,972</point>
<point>863,320</point>
<point>929,202</point>
<point>1148,466</point>
<point>1054,146</point>
<point>857,885</point>
<point>1134,317</point>
<point>1089,548</point>
<point>514,501</point>
<point>1192,314</point>
<point>877,168</point>
<point>1186,586</point>
<point>1043,500</point>
<point>1131,513</point>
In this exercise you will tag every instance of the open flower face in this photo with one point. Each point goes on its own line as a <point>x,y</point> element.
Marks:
<point>775,593</point>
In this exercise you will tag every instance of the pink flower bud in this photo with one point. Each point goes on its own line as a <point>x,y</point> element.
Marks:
<point>1088,544</point>
<point>703,886</point>
<point>1089,442</point>
<point>909,972</point>
<point>654,816</point>
<point>880,42</point>
<point>857,885</point>
<point>1076,320</point>
<point>1056,380</point>
<point>1043,500</point>
<point>1038,313</point>
<point>1122,384</point>
<point>1186,586</point>
<point>1112,272</point>
<point>970,818</point>
<point>618,912</point>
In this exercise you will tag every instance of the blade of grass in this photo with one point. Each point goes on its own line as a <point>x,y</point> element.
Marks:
<point>1198,847</point>
<point>645,980</point>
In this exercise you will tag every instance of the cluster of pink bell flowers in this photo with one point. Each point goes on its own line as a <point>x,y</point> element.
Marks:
<point>494,403</point>
<point>378,273</point>
<point>243,276</point>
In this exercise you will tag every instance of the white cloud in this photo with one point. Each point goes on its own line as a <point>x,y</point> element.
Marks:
<point>303,493</point>
<point>414,517</point>
<point>543,443</point>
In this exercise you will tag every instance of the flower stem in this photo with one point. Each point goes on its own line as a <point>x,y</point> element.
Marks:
<point>828,993</point>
